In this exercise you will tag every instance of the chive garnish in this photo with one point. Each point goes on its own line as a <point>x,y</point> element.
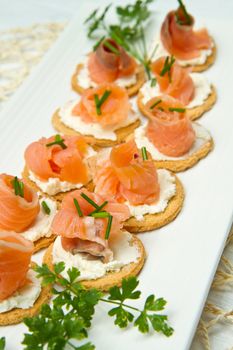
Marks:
<point>107,233</point>
<point>45,207</point>
<point>89,200</point>
<point>101,214</point>
<point>169,61</point>
<point>186,15</point>
<point>99,102</point>
<point>155,104</point>
<point>58,141</point>
<point>144,153</point>
<point>111,48</point>
<point>18,187</point>
<point>99,208</point>
<point>153,82</point>
<point>95,47</point>
<point>180,110</point>
<point>161,109</point>
<point>77,206</point>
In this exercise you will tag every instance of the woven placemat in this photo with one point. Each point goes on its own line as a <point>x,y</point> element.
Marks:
<point>20,50</point>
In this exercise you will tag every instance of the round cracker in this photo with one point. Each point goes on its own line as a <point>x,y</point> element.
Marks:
<point>17,315</point>
<point>111,279</point>
<point>209,61</point>
<point>121,133</point>
<point>193,113</point>
<point>58,197</point>
<point>132,90</point>
<point>43,242</point>
<point>184,164</point>
<point>153,221</point>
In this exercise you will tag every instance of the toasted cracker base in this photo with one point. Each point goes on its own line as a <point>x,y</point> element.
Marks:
<point>121,133</point>
<point>43,242</point>
<point>58,197</point>
<point>15,316</point>
<point>209,61</point>
<point>111,279</point>
<point>132,90</point>
<point>153,221</point>
<point>193,113</point>
<point>184,164</point>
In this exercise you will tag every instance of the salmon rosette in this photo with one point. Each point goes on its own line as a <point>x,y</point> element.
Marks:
<point>180,39</point>
<point>83,231</point>
<point>59,163</point>
<point>126,177</point>
<point>108,63</point>
<point>15,257</point>
<point>169,129</point>
<point>17,211</point>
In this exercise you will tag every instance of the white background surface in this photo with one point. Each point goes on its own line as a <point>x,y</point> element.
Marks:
<point>182,256</point>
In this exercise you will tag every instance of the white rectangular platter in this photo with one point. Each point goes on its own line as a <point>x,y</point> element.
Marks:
<point>183,256</point>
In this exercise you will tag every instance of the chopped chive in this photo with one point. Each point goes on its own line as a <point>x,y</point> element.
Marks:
<point>161,109</point>
<point>18,187</point>
<point>89,200</point>
<point>169,61</point>
<point>180,110</point>
<point>144,153</point>
<point>99,102</point>
<point>100,208</point>
<point>95,47</point>
<point>45,207</point>
<point>80,214</point>
<point>101,214</point>
<point>187,16</point>
<point>107,233</point>
<point>58,141</point>
<point>155,104</point>
<point>153,82</point>
<point>111,48</point>
<point>98,110</point>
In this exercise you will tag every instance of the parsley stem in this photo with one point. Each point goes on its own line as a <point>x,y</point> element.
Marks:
<point>111,48</point>
<point>120,304</point>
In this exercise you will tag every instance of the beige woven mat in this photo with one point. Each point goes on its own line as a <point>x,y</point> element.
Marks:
<point>20,50</point>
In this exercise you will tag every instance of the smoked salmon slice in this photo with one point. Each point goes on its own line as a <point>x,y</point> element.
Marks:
<point>110,62</point>
<point>87,233</point>
<point>127,177</point>
<point>16,213</point>
<point>179,38</point>
<point>176,81</point>
<point>169,129</point>
<point>15,257</point>
<point>64,159</point>
<point>113,111</point>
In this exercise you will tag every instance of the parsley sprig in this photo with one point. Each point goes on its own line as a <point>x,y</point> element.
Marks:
<point>71,312</point>
<point>128,32</point>
<point>2,343</point>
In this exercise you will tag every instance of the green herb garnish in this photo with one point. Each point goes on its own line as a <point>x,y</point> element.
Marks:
<point>153,82</point>
<point>169,61</point>
<point>144,153</point>
<point>180,110</point>
<point>95,47</point>
<point>161,109</point>
<point>111,48</point>
<point>18,187</point>
<point>77,206</point>
<point>89,200</point>
<point>101,214</point>
<point>58,141</point>
<point>188,18</point>
<point>108,229</point>
<point>67,321</point>
<point>2,343</point>
<point>99,102</point>
<point>45,207</point>
<point>155,104</point>
<point>99,208</point>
